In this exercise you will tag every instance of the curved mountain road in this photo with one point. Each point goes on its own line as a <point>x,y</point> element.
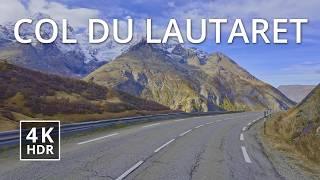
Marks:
<point>208,147</point>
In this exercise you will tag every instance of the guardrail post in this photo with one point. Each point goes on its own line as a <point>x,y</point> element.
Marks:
<point>264,121</point>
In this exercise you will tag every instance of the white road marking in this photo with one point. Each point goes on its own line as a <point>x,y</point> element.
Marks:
<point>164,145</point>
<point>249,124</point>
<point>241,137</point>
<point>245,154</point>
<point>244,128</point>
<point>178,120</point>
<point>150,125</point>
<point>184,133</point>
<point>197,117</point>
<point>134,167</point>
<point>209,123</point>
<point>99,138</point>
<point>199,126</point>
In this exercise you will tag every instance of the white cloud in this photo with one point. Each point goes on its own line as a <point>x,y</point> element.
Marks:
<point>11,10</point>
<point>248,8</point>
<point>14,9</point>
<point>307,67</point>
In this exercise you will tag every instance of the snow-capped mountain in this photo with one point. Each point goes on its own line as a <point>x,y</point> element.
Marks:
<point>75,59</point>
<point>103,52</point>
<point>55,58</point>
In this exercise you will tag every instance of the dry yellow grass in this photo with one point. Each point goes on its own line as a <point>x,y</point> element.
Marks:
<point>27,94</point>
<point>295,131</point>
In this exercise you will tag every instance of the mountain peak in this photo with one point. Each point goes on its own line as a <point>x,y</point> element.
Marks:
<point>38,16</point>
<point>141,43</point>
<point>187,79</point>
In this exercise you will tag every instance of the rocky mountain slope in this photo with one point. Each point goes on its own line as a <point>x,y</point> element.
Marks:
<point>76,60</point>
<point>187,79</point>
<point>299,128</point>
<point>29,94</point>
<point>296,92</point>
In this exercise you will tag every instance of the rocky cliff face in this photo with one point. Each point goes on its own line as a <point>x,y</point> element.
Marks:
<point>187,79</point>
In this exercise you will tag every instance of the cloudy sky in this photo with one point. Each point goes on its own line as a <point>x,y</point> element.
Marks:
<point>275,64</point>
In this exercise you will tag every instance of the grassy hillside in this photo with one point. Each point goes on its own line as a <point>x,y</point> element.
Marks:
<point>298,130</point>
<point>29,94</point>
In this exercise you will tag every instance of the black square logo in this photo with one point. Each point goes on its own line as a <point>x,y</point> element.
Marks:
<point>40,140</point>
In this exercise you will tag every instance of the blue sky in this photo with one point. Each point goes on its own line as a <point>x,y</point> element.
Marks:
<point>275,64</point>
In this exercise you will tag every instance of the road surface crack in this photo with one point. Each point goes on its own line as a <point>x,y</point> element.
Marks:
<point>196,163</point>
<point>88,167</point>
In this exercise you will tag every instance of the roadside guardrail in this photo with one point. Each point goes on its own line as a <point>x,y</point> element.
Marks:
<point>9,138</point>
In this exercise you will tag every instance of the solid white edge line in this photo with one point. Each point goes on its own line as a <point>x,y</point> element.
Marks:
<point>164,145</point>
<point>241,137</point>
<point>134,167</point>
<point>186,132</point>
<point>150,125</point>
<point>96,139</point>
<point>245,154</point>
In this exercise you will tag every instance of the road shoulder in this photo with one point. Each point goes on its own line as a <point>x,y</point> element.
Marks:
<point>285,164</point>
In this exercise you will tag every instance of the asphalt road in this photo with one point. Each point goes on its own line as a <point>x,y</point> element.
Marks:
<point>210,147</point>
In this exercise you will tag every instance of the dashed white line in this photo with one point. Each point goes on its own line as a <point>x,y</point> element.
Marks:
<point>125,174</point>
<point>244,128</point>
<point>199,126</point>
<point>184,133</point>
<point>245,154</point>
<point>241,137</point>
<point>99,138</point>
<point>178,120</point>
<point>197,117</point>
<point>164,145</point>
<point>150,125</point>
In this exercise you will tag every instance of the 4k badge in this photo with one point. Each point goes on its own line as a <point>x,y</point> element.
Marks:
<point>39,140</point>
